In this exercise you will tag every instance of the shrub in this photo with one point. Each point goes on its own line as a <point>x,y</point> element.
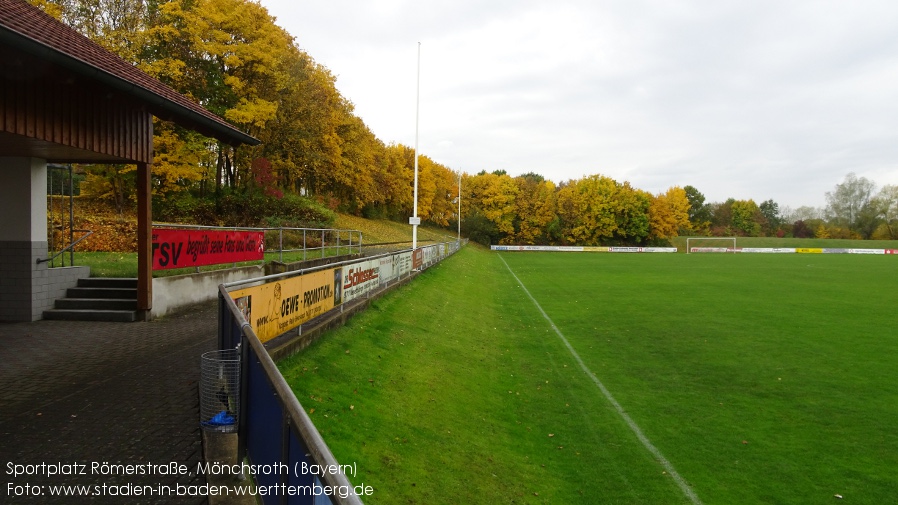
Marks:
<point>252,209</point>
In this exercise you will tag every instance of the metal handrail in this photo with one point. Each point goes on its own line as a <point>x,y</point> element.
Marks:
<point>70,246</point>
<point>250,228</point>
<point>280,230</point>
<point>293,417</point>
<point>298,418</point>
<point>303,271</point>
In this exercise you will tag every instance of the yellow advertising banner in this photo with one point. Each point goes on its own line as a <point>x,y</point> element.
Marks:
<point>805,250</point>
<point>276,307</point>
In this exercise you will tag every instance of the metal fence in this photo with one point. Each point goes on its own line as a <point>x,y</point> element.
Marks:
<point>306,243</point>
<point>274,431</point>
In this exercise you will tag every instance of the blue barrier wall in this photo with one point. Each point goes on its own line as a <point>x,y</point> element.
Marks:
<point>275,433</point>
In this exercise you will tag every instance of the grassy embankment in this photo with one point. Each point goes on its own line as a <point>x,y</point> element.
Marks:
<point>762,378</point>
<point>773,242</point>
<point>114,263</point>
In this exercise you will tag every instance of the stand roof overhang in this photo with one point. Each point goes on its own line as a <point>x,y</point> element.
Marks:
<point>26,30</point>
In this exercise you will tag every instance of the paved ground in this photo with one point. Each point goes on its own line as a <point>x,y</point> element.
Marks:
<point>90,392</point>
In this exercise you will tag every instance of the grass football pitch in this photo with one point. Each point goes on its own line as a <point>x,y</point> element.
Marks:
<point>758,378</point>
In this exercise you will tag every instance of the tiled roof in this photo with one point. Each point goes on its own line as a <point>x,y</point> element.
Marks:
<point>30,29</point>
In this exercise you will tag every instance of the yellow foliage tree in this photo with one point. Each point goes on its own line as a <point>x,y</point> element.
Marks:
<point>535,209</point>
<point>668,213</point>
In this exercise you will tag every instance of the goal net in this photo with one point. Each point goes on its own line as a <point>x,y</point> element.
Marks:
<point>711,245</point>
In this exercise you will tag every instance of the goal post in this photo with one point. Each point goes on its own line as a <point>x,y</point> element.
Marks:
<point>711,245</point>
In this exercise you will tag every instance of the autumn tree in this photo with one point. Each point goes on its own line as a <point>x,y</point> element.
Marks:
<point>445,192</point>
<point>598,210</point>
<point>668,213</point>
<point>535,209</point>
<point>488,206</point>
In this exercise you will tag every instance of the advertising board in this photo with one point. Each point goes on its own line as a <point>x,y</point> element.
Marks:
<point>360,278</point>
<point>192,248</point>
<point>276,307</point>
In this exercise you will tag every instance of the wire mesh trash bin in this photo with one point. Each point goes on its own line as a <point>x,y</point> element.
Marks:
<point>220,390</point>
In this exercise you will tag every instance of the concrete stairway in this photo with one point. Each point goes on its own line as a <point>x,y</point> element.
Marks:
<point>98,299</point>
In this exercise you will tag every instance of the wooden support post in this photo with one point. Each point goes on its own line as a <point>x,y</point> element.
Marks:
<point>144,241</point>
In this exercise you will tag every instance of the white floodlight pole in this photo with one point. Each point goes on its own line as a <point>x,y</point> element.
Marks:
<point>459,206</point>
<point>414,220</point>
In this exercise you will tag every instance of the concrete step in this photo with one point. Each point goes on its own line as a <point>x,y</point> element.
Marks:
<point>96,304</point>
<point>124,316</point>
<point>118,293</point>
<point>107,282</point>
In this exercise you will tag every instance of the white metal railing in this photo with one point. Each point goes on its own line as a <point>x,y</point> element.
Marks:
<point>312,242</point>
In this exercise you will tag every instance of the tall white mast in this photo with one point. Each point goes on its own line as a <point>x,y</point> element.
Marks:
<point>415,221</point>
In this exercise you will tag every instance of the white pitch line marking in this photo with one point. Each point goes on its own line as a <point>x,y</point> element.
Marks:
<point>668,467</point>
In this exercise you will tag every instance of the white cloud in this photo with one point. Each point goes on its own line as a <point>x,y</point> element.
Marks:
<point>762,99</point>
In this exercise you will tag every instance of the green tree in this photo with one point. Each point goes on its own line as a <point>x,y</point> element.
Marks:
<point>746,217</point>
<point>722,218</point>
<point>699,211</point>
<point>848,205</point>
<point>886,204</point>
<point>772,219</point>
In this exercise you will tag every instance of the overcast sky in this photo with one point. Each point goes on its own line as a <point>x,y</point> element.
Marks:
<point>745,99</point>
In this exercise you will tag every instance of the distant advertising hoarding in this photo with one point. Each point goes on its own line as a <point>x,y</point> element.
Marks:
<point>402,263</point>
<point>388,272</point>
<point>572,248</point>
<point>552,248</point>
<point>276,307</point>
<point>193,248</point>
<point>642,249</point>
<point>768,250</point>
<point>417,258</point>
<point>431,254</point>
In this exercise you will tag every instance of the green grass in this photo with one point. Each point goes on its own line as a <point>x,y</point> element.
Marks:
<point>375,231</point>
<point>124,264</point>
<point>112,264</point>
<point>763,379</point>
<point>792,354</point>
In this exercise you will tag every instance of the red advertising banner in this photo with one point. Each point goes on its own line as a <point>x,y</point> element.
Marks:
<point>193,248</point>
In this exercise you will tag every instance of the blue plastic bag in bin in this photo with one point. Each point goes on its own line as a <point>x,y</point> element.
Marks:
<point>221,419</point>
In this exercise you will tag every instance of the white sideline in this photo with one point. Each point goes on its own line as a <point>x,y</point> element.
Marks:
<point>668,467</point>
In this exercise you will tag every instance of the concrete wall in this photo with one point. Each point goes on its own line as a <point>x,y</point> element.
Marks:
<point>54,285</point>
<point>17,267</point>
<point>25,285</point>
<point>171,293</point>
